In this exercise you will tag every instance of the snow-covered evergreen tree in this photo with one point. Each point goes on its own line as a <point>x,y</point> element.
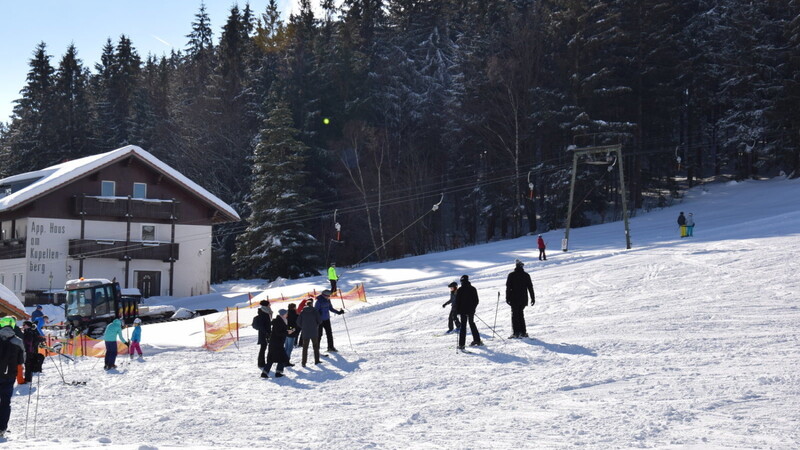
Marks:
<point>276,242</point>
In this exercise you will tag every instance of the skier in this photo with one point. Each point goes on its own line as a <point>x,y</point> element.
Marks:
<point>690,225</point>
<point>466,304</point>
<point>518,286</point>
<point>113,330</point>
<point>682,223</point>
<point>291,321</point>
<point>12,354</point>
<point>136,337</point>
<point>40,322</point>
<point>31,340</point>
<point>277,341</point>
<point>308,323</point>
<point>540,243</point>
<point>261,322</point>
<point>325,308</point>
<point>332,277</point>
<point>453,317</point>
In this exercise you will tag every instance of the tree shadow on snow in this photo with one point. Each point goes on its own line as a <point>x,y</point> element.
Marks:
<point>569,349</point>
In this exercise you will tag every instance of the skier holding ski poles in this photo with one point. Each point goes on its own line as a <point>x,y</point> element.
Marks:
<point>452,318</point>
<point>12,354</point>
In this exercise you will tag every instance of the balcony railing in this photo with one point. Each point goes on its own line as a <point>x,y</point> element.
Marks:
<point>120,206</point>
<point>106,248</point>
<point>12,248</point>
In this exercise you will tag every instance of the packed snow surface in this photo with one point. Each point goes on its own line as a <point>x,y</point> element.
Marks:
<point>675,343</point>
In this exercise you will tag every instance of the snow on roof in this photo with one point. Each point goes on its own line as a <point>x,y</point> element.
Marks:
<point>53,177</point>
<point>8,297</point>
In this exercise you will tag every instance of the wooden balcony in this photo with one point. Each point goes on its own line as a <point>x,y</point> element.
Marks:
<point>122,206</point>
<point>12,248</point>
<point>105,248</point>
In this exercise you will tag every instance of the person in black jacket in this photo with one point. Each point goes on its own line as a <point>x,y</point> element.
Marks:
<point>308,322</point>
<point>261,322</point>
<point>31,341</point>
<point>12,354</point>
<point>682,224</point>
<point>518,286</point>
<point>277,341</point>
<point>466,304</point>
<point>291,322</point>
<point>453,317</point>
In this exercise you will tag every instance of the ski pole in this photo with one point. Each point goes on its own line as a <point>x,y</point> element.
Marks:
<point>36,409</point>
<point>348,331</point>
<point>495,309</point>
<point>27,411</point>
<point>495,333</point>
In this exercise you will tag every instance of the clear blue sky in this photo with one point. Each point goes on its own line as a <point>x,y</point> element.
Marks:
<point>153,26</point>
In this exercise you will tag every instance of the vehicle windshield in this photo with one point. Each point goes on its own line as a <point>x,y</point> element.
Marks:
<point>79,302</point>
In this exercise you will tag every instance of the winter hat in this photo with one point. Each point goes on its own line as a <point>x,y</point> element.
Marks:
<point>137,320</point>
<point>27,323</point>
<point>333,264</point>
<point>464,278</point>
<point>518,263</point>
<point>453,284</point>
<point>8,322</point>
<point>282,312</point>
<point>38,306</point>
<point>326,292</point>
<point>264,303</point>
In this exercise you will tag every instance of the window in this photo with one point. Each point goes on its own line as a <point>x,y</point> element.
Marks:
<point>148,232</point>
<point>108,188</point>
<point>139,190</point>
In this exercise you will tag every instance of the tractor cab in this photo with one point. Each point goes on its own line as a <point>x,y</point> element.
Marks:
<point>92,303</point>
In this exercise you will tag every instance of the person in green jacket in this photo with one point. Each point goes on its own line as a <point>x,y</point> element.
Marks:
<point>332,277</point>
<point>113,330</point>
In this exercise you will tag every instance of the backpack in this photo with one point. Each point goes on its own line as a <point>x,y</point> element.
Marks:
<point>258,324</point>
<point>9,358</point>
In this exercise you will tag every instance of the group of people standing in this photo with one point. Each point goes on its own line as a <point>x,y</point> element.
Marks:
<point>295,326</point>
<point>464,301</point>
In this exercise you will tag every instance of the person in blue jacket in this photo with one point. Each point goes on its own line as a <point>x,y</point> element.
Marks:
<point>324,306</point>
<point>136,338</point>
<point>113,330</point>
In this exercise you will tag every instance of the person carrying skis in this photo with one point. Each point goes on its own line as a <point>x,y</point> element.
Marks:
<point>277,341</point>
<point>518,286</point>
<point>682,223</point>
<point>332,277</point>
<point>308,323</point>
<point>12,354</point>
<point>136,337</point>
<point>113,330</point>
<point>261,322</point>
<point>466,304</point>
<point>452,318</point>
<point>540,243</point>
<point>690,225</point>
<point>31,341</point>
<point>325,308</point>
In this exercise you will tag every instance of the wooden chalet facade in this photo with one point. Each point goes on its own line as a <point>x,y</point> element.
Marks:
<point>121,215</point>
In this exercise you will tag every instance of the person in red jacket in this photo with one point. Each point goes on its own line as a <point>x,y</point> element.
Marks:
<point>540,242</point>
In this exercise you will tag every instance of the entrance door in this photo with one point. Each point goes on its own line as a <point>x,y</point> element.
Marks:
<point>148,282</point>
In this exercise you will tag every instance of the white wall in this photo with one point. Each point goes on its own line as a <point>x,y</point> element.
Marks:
<point>13,275</point>
<point>48,249</point>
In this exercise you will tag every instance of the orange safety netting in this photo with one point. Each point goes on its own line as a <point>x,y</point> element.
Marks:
<point>80,346</point>
<point>222,332</point>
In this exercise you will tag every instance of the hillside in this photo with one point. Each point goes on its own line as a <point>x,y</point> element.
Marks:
<point>675,343</point>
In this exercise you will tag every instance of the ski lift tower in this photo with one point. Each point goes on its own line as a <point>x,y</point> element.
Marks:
<point>608,150</point>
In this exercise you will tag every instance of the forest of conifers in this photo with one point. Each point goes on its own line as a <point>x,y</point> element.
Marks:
<point>376,108</point>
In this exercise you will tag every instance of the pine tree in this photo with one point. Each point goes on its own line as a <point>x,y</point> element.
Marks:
<point>32,137</point>
<point>276,242</point>
<point>73,111</point>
